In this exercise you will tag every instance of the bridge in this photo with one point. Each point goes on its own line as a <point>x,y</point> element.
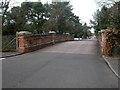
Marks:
<point>71,64</point>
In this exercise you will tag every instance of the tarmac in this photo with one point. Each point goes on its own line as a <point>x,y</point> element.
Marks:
<point>113,63</point>
<point>59,66</point>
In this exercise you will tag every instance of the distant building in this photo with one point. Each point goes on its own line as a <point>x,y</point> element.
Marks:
<point>52,32</point>
<point>59,0</point>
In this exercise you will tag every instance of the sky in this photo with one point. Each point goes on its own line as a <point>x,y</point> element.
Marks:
<point>84,9</point>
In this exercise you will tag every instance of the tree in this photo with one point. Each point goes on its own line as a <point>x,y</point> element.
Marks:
<point>35,14</point>
<point>20,18</point>
<point>107,17</point>
<point>101,19</point>
<point>4,5</point>
<point>107,3</point>
<point>41,18</point>
<point>115,15</point>
<point>60,17</point>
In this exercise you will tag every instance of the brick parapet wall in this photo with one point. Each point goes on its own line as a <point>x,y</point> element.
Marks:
<point>29,42</point>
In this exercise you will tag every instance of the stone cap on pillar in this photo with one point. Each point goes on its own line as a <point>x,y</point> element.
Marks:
<point>102,31</point>
<point>24,33</point>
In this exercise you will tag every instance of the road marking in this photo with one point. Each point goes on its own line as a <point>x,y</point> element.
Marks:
<point>1,59</point>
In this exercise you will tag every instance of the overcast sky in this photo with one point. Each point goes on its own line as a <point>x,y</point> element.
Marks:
<point>84,9</point>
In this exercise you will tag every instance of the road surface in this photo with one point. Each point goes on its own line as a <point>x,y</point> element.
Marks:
<point>74,64</point>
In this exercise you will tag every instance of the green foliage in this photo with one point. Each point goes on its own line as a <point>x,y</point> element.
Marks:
<point>41,18</point>
<point>60,14</point>
<point>107,17</point>
<point>101,19</point>
<point>111,37</point>
<point>30,28</point>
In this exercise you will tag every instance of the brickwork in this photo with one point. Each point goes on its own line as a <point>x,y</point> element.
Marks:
<point>29,42</point>
<point>108,42</point>
<point>103,49</point>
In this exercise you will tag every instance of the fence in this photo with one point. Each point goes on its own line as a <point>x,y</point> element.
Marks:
<point>8,43</point>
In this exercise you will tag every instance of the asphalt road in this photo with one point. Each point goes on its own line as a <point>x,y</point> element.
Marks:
<point>74,64</point>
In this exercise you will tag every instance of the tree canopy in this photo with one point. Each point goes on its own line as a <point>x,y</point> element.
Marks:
<point>107,17</point>
<point>41,18</point>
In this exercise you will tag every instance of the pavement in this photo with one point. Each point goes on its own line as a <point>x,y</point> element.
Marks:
<point>74,64</point>
<point>9,54</point>
<point>113,64</point>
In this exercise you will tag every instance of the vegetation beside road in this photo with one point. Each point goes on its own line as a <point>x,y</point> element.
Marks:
<point>108,18</point>
<point>41,18</point>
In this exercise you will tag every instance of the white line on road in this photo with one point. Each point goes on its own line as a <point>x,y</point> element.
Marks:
<point>1,59</point>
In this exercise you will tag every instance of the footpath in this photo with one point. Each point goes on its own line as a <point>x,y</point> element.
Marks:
<point>114,64</point>
<point>9,54</point>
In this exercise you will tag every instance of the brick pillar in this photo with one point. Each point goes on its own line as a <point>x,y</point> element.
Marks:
<point>103,48</point>
<point>23,41</point>
<point>53,39</point>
